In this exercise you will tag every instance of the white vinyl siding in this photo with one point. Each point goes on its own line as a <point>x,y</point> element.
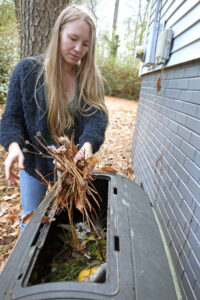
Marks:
<point>183,17</point>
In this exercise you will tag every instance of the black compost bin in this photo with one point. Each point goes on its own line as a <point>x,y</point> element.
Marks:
<point>136,262</point>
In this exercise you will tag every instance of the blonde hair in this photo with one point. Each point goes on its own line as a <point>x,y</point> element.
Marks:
<point>90,81</point>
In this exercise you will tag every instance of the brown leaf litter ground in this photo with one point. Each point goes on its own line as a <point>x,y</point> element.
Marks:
<point>115,154</point>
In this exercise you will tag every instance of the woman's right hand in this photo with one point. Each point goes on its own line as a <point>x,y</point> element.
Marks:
<point>14,155</point>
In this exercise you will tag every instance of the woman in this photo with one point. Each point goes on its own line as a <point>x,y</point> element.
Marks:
<point>56,94</point>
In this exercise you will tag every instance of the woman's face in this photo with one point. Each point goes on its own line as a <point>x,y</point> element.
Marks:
<point>74,41</point>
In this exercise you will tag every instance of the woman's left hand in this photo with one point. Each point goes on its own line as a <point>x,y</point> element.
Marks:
<point>85,151</point>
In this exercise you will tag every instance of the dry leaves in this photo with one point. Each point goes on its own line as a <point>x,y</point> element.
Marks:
<point>114,153</point>
<point>73,185</point>
<point>27,218</point>
<point>10,214</point>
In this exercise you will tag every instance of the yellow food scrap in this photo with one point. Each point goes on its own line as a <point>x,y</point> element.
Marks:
<point>85,274</point>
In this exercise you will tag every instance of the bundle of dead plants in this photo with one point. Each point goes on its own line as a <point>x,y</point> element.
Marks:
<point>72,186</point>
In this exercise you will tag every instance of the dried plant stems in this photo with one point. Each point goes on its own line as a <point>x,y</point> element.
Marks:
<point>72,187</point>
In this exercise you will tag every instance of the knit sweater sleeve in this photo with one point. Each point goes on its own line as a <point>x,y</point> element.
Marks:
<point>12,123</point>
<point>94,127</point>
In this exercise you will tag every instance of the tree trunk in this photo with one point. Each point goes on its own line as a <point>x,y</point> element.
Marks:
<point>143,23</point>
<point>137,25</point>
<point>37,20</point>
<point>92,5</point>
<point>17,4</point>
<point>115,16</point>
<point>115,38</point>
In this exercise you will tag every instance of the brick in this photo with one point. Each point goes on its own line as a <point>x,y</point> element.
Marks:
<point>169,197</point>
<point>193,242</point>
<point>184,133</point>
<point>167,146</point>
<point>187,195</point>
<point>186,96</point>
<point>171,114</point>
<point>172,94</point>
<point>189,215</point>
<point>144,84</point>
<point>193,124</point>
<point>192,71</point>
<point>149,84</point>
<point>187,268</point>
<point>158,169</point>
<point>165,120</point>
<point>147,92</point>
<point>179,73</point>
<point>168,74</point>
<point>163,110</point>
<point>198,232</point>
<point>171,215</point>
<point>166,132</point>
<point>188,288</point>
<point>179,155</point>
<point>163,212</point>
<point>179,267</point>
<point>197,290</point>
<point>154,92</point>
<point>173,128</point>
<point>194,187</point>
<point>183,84</point>
<point>194,84</point>
<point>186,247</point>
<point>195,264</point>
<point>173,125</point>
<point>195,140</point>
<point>180,217</point>
<point>190,109</point>
<point>162,198</point>
<point>198,111</point>
<point>195,97</point>
<point>146,78</point>
<point>171,84</point>
<point>165,176</point>
<point>192,169</point>
<point>182,173</point>
<point>177,105</point>
<point>174,254</point>
<point>197,158</point>
<point>158,109</point>
<point>197,209</point>
<point>166,232</point>
<point>188,150</point>
<point>174,236</point>
<point>152,77</point>
<point>171,103</point>
<point>171,159</point>
<point>175,194</point>
<point>173,176</point>
<point>163,91</point>
<point>157,116</point>
<point>182,237</point>
<point>161,101</point>
<point>181,118</point>
<point>151,194</point>
<point>190,96</point>
<point>176,140</point>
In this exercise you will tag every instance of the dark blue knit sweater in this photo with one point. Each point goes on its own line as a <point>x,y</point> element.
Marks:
<point>24,117</point>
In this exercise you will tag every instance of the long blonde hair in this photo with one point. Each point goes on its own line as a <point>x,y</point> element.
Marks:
<point>90,81</point>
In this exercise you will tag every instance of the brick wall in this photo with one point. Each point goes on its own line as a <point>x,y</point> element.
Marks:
<point>166,161</point>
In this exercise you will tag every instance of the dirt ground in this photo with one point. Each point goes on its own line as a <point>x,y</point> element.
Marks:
<point>114,154</point>
<point>116,150</point>
<point>120,104</point>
